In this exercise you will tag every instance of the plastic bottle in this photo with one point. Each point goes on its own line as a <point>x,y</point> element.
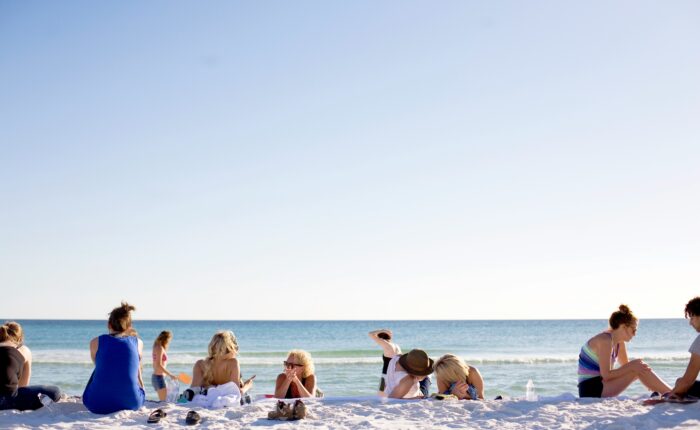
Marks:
<point>46,401</point>
<point>530,395</point>
<point>173,389</point>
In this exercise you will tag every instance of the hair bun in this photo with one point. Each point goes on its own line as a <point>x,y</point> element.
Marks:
<point>127,307</point>
<point>625,309</point>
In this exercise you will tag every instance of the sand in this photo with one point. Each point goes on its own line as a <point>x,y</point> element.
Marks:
<point>561,412</point>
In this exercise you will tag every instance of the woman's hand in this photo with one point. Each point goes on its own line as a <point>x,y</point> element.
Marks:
<point>461,390</point>
<point>291,375</point>
<point>639,366</point>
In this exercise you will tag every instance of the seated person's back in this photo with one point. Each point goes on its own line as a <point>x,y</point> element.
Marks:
<point>116,382</point>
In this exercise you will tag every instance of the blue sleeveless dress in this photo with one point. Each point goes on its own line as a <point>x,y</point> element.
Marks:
<point>114,384</point>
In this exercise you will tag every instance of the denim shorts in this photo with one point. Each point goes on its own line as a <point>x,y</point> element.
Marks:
<point>158,382</point>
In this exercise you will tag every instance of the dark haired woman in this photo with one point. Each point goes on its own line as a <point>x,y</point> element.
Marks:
<point>596,374</point>
<point>14,391</point>
<point>383,338</point>
<point>160,360</point>
<point>116,383</point>
<point>687,384</point>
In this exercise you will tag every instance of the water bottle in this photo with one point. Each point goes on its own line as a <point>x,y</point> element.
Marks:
<point>173,389</point>
<point>46,401</point>
<point>530,395</point>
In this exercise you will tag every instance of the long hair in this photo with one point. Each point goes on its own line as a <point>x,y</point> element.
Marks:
<point>451,369</point>
<point>163,339</point>
<point>221,344</point>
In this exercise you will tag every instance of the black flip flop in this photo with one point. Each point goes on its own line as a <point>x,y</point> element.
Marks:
<point>192,418</point>
<point>156,416</point>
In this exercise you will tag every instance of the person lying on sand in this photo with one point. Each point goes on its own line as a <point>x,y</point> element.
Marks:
<point>384,338</point>
<point>687,384</point>
<point>596,374</point>
<point>455,377</point>
<point>405,372</point>
<point>298,379</point>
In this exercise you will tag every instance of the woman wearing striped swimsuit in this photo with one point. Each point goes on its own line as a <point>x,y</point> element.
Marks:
<point>596,376</point>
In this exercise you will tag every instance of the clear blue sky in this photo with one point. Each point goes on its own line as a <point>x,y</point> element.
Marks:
<point>343,160</point>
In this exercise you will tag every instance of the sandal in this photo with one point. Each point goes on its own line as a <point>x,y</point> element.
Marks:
<point>156,416</point>
<point>299,410</point>
<point>192,418</point>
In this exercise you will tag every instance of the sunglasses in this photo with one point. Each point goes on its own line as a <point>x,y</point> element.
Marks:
<point>289,365</point>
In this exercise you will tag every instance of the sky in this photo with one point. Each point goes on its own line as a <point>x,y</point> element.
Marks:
<point>349,160</point>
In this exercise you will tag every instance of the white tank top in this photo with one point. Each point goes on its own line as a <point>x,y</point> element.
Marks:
<point>393,378</point>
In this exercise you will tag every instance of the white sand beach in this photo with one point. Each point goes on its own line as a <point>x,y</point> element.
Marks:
<point>565,411</point>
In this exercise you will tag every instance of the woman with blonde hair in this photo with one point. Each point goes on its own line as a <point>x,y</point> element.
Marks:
<point>160,359</point>
<point>597,376</point>
<point>298,379</point>
<point>15,332</point>
<point>15,392</point>
<point>116,384</point>
<point>221,365</point>
<point>456,377</point>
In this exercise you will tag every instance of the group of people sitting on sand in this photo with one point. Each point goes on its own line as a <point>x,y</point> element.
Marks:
<point>117,383</point>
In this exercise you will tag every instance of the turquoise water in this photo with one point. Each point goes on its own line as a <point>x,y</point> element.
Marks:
<point>348,362</point>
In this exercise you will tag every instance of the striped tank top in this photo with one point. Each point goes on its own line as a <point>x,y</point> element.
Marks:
<point>589,363</point>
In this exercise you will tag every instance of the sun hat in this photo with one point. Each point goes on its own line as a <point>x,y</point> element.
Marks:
<point>416,362</point>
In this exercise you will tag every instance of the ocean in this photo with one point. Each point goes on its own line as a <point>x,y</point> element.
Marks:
<point>348,362</point>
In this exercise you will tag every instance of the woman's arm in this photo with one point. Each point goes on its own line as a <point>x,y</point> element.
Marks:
<point>604,350</point>
<point>390,349</point>
<point>94,343</point>
<point>27,368</point>
<point>197,374</point>
<point>686,381</point>
<point>139,343</point>
<point>477,381</point>
<point>307,389</point>
<point>282,385</point>
<point>622,354</point>
<point>235,376</point>
<point>407,382</point>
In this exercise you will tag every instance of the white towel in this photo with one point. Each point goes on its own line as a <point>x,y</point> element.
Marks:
<point>221,396</point>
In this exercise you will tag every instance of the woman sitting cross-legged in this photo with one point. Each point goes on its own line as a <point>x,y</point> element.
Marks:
<point>298,378</point>
<point>116,383</point>
<point>15,365</point>
<point>455,377</point>
<point>221,365</point>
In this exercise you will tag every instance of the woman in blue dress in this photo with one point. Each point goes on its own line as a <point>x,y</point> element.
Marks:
<point>116,383</point>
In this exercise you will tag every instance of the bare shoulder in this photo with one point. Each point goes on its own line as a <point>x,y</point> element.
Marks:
<point>601,340</point>
<point>26,352</point>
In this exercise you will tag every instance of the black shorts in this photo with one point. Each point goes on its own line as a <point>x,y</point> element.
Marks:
<point>591,387</point>
<point>694,390</point>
